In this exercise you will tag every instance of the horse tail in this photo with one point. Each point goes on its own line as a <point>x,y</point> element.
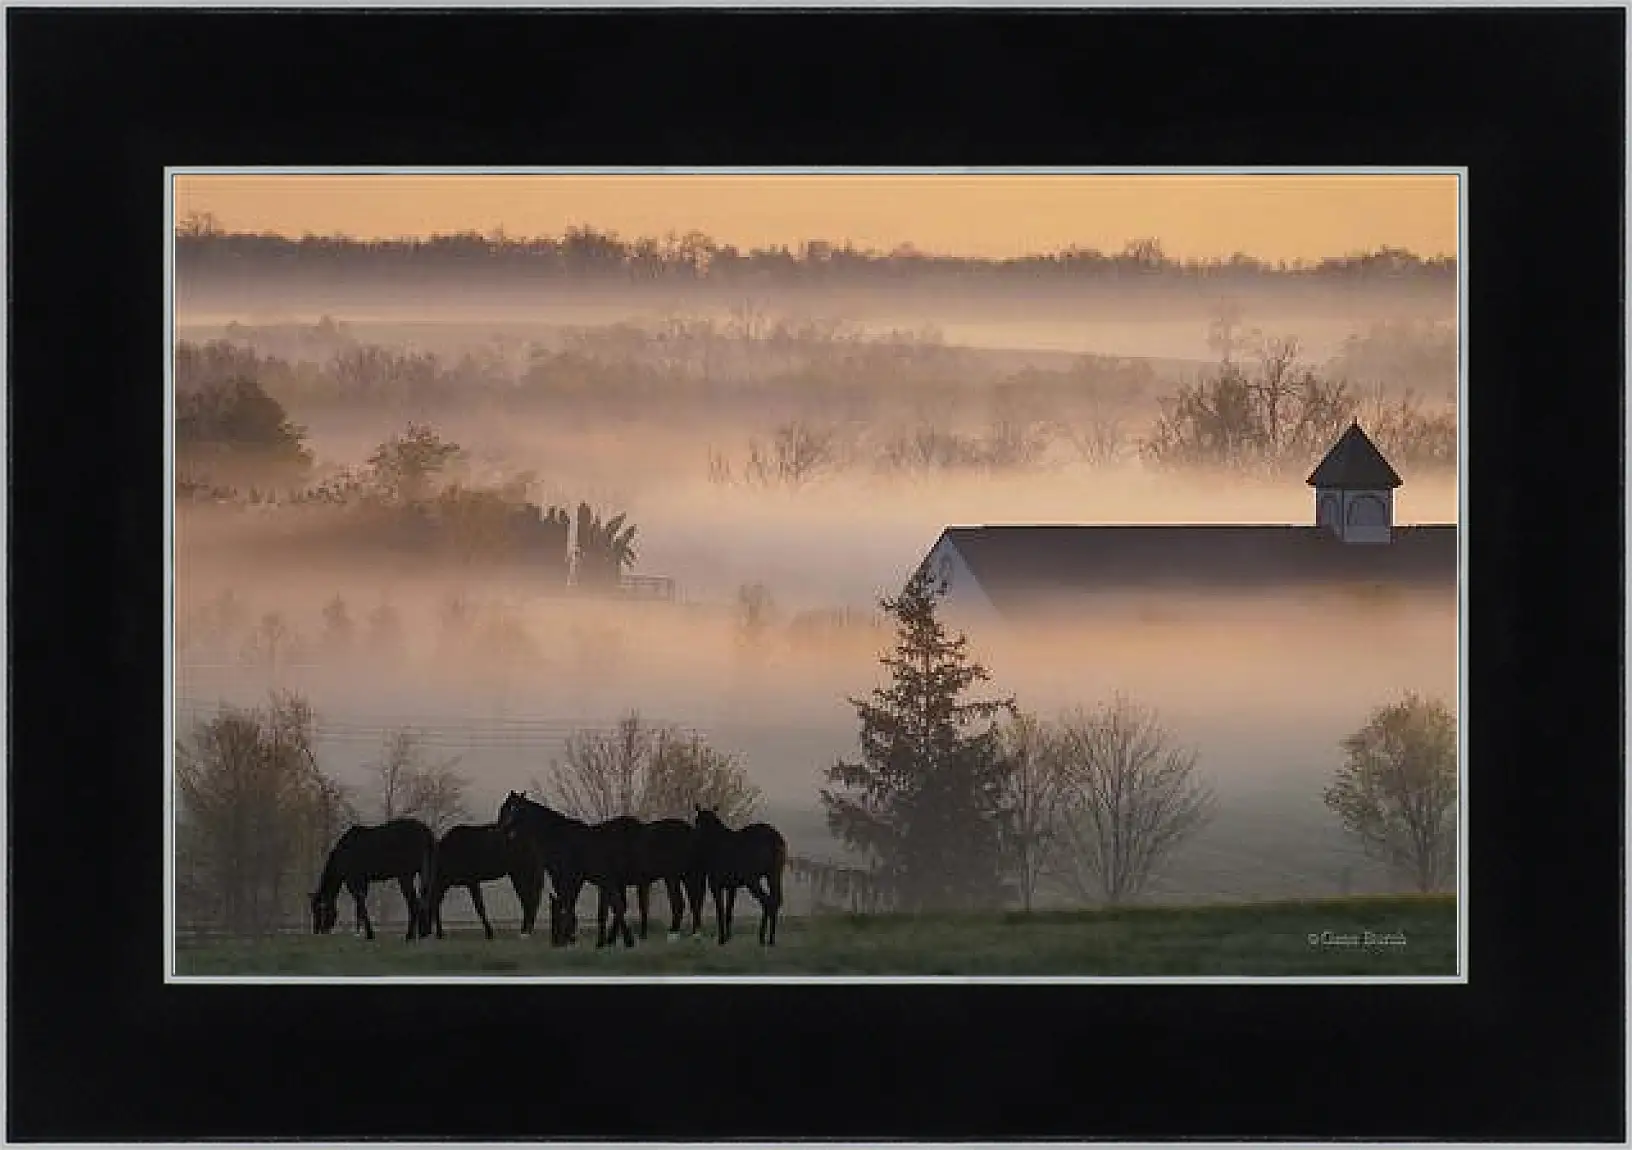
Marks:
<point>779,861</point>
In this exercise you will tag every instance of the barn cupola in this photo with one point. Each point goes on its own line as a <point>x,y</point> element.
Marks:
<point>1354,490</point>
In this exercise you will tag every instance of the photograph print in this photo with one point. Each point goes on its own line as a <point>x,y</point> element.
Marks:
<point>815,574</point>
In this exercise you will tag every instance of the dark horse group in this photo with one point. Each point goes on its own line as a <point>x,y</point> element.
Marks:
<point>531,843</point>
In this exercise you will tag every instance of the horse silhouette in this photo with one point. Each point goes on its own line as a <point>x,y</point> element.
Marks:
<point>732,859</point>
<point>469,855</point>
<point>402,849</point>
<point>574,852</point>
<point>666,851</point>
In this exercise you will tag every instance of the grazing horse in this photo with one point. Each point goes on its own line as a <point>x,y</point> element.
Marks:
<point>574,852</point>
<point>402,849</point>
<point>741,858</point>
<point>468,856</point>
<point>666,851</point>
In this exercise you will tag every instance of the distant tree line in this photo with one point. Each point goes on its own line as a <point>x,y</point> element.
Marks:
<point>227,629</point>
<point>1260,406</point>
<point>1277,414</point>
<point>230,428</point>
<point>588,253</point>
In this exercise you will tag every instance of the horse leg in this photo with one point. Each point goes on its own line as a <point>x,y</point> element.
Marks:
<point>643,892</point>
<point>620,908</point>
<point>677,904</point>
<point>696,892</point>
<point>614,905</point>
<point>409,896</point>
<point>359,895</point>
<point>569,910</point>
<point>719,913</point>
<point>475,890</point>
<point>763,898</point>
<point>433,907</point>
<point>600,917</point>
<point>529,896</point>
<point>773,887</point>
<point>730,908</point>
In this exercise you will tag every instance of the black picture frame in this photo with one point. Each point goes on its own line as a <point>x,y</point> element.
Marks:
<point>1531,101</point>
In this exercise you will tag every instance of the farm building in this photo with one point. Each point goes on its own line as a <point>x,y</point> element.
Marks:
<point>1004,571</point>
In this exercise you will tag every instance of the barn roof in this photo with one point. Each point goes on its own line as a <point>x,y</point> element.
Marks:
<point>1354,463</point>
<point>1018,565</point>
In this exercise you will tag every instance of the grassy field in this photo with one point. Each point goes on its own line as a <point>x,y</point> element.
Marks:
<point>1256,939</point>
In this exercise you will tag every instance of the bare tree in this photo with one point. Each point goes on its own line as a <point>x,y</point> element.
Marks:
<point>684,773</point>
<point>719,468</point>
<point>1033,790</point>
<point>1281,415</point>
<point>649,772</point>
<point>255,814</point>
<point>339,632</point>
<point>1396,790</point>
<point>748,322</point>
<point>273,644</point>
<point>797,453</point>
<point>1407,432</point>
<point>1276,388</point>
<point>220,622</point>
<point>600,776</point>
<point>1018,435</point>
<point>1224,333</point>
<point>1130,799</point>
<point>408,785</point>
<point>1095,430</point>
<point>756,611</point>
<point>1011,444</point>
<point>199,225</point>
<point>928,448</point>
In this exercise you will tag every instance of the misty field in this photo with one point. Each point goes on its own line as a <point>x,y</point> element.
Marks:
<point>462,544</point>
<point>1248,940</point>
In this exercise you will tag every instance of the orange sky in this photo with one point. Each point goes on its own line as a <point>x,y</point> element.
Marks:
<point>1271,217</point>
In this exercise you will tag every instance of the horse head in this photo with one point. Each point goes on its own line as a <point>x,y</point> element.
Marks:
<point>708,821</point>
<point>324,913</point>
<point>516,812</point>
<point>509,812</point>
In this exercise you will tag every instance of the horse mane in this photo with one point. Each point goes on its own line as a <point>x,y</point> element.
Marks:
<point>543,812</point>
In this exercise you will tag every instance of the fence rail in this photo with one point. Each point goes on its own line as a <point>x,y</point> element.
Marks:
<point>648,587</point>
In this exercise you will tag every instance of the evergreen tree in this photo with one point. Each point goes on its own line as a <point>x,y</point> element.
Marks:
<point>925,801</point>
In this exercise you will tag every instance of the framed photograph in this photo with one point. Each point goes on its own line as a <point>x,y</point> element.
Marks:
<point>902,673</point>
<point>974,614</point>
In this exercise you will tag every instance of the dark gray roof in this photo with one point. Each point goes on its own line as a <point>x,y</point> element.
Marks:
<point>1017,565</point>
<point>1354,463</point>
